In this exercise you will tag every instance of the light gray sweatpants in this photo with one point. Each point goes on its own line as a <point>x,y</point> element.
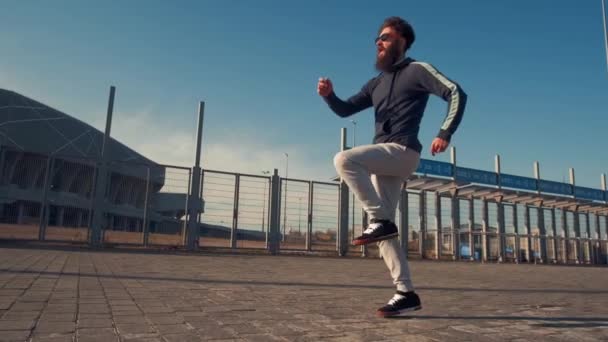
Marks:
<point>375,174</point>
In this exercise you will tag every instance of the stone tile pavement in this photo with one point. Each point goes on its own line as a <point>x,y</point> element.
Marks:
<point>85,295</point>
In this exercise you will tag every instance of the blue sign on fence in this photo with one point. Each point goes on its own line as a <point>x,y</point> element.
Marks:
<point>588,193</point>
<point>555,187</point>
<point>518,182</point>
<point>476,176</point>
<point>437,168</point>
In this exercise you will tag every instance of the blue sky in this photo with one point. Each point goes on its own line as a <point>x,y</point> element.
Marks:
<point>535,73</point>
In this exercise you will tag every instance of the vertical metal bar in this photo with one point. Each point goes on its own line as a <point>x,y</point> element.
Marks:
<point>146,221</point>
<point>456,227</point>
<point>44,206</point>
<point>309,216</point>
<point>597,243</point>
<point>235,211</point>
<point>516,230</point>
<point>194,196</point>
<point>588,244</point>
<point>268,212</point>
<point>555,237</point>
<point>500,216</point>
<point>484,230</point>
<point>500,213</point>
<point>364,223</point>
<point>471,227</point>
<point>566,233</point>
<point>422,220</point>
<point>527,232</point>
<point>438,223</point>
<point>274,230</point>
<point>342,240</point>
<point>403,219</point>
<point>188,217</point>
<point>101,182</point>
<point>577,236</point>
<point>542,234</point>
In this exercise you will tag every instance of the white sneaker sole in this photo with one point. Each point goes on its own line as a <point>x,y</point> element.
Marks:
<point>400,312</point>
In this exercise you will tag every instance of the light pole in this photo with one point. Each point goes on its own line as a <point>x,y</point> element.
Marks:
<point>285,197</point>
<point>264,203</point>
<point>353,202</point>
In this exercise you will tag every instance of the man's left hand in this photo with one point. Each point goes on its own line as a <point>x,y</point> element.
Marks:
<point>438,145</point>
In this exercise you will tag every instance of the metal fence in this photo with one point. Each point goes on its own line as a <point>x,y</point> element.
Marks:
<point>51,198</point>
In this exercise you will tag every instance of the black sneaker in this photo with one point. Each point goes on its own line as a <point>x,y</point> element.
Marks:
<point>377,230</point>
<point>401,303</point>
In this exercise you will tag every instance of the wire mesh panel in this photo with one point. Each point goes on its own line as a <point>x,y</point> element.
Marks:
<point>551,252</point>
<point>559,224</point>
<point>168,224</point>
<point>523,247</point>
<point>447,233</point>
<point>430,235</point>
<point>511,243</point>
<point>324,216</point>
<point>463,235</point>
<point>582,223</point>
<point>413,208</point>
<point>509,222</point>
<point>218,191</point>
<point>492,237</point>
<point>562,245</point>
<point>603,254</point>
<point>548,221</point>
<point>572,249</point>
<point>355,225</point>
<point>294,213</point>
<point>22,177</point>
<point>253,199</point>
<point>477,244</point>
<point>593,227</point>
<point>586,246</point>
<point>70,200</point>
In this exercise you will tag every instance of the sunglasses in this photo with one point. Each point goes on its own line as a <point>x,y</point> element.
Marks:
<point>384,37</point>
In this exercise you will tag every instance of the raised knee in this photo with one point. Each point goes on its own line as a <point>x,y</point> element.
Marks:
<point>340,160</point>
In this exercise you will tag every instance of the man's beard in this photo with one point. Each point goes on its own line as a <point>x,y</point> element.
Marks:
<point>386,62</point>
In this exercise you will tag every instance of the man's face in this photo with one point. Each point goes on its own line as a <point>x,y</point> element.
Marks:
<point>389,48</point>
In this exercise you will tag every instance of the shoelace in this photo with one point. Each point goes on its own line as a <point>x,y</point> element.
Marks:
<point>397,297</point>
<point>372,227</point>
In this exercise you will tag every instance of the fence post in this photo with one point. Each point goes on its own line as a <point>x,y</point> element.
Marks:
<point>146,221</point>
<point>44,206</point>
<point>343,220</point>
<point>342,238</point>
<point>274,231</point>
<point>403,219</point>
<point>309,216</point>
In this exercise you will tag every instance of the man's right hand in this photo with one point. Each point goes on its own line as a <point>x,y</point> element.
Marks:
<point>324,87</point>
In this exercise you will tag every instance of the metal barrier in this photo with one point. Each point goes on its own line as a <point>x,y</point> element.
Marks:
<point>51,198</point>
<point>511,249</point>
<point>324,216</point>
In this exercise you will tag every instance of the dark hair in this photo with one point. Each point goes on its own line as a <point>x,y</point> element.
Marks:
<point>403,27</point>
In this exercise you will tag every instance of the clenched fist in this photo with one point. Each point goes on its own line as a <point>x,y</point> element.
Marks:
<point>438,145</point>
<point>324,87</point>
